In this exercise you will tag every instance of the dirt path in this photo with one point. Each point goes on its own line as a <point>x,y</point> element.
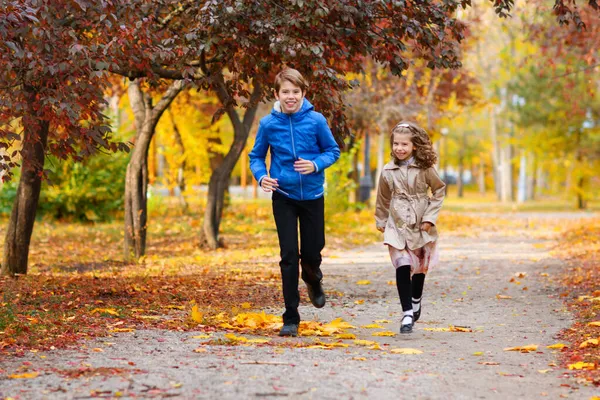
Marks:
<point>463,291</point>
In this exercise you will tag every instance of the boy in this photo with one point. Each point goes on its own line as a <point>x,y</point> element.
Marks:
<point>301,146</point>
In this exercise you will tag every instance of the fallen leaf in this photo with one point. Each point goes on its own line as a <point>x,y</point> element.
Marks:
<point>582,365</point>
<point>359,358</point>
<point>544,371</point>
<point>595,323</point>
<point>196,314</point>
<point>246,305</point>
<point>521,274</point>
<point>25,375</point>
<point>345,336</point>
<point>363,282</point>
<point>364,342</point>
<point>359,302</point>
<point>503,297</point>
<point>557,346</point>
<point>478,353</point>
<point>110,311</point>
<point>523,349</point>
<point>405,351</point>
<point>590,343</point>
<point>384,333</point>
<point>201,337</point>
<point>489,363</point>
<point>200,350</point>
<point>372,326</point>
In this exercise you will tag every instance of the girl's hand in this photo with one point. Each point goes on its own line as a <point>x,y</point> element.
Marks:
<point>381,229</point>
<point>426,226</point>
<point>268,184</point>
<point>303,166</point>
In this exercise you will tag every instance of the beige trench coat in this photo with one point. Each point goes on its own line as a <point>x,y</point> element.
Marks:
<point>403,204</point>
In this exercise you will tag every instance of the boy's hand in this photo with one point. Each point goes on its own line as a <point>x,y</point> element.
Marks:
<point>303,166</point>
<point>381,228</point>
<point>268,184</point>
<point>426,226</point>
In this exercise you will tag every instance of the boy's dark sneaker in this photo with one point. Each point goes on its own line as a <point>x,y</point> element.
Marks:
<point>289,330</point>
<point>407,328</point>
<point>316,294</point>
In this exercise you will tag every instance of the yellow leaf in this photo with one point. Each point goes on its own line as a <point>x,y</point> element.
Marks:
<point>234,338</point>
<point>200,350</point>
<point>201,337</point>
<point>97,350</point>
<point>478,353</point>
<point>582,365</point>
<point>196,314</point>
<point>375,347</point>
<point>25,375</point>
<point>364,342</point>
<point>384,333</point>
<point>391,283</point>
<point>460,329</point>
<point>523,349</point>
<point>246,305</point>
<point>122,330</point>
<point>258,341</point>
<point>405,351</point>
<point>363,282</point>
<point>595,323</point>
<point>503,297</point>
<point>372,326</point>
<point>359,302</point>
<point>383,321</point>
<point>359,358</point>
<point>544,371</point>
<point>558,346</point>
<point>589,342</point>
<point>345,336</point>
<point>110,311</point>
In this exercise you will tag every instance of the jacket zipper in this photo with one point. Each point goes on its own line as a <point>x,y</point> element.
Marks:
<point>295,156</point>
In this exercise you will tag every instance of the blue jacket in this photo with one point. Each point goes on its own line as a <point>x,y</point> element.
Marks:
<point>303,134</point>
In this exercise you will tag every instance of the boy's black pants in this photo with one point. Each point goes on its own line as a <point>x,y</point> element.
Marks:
<point>311,214</point>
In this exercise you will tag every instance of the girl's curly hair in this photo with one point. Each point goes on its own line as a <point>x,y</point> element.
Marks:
<point>423,152</point>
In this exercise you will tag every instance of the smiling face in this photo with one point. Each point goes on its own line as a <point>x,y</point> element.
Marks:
<point>290,97</point>
<point>402,146</point>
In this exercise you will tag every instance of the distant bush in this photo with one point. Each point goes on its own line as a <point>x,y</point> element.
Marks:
<point>92,190</point>
<point>339,184</point>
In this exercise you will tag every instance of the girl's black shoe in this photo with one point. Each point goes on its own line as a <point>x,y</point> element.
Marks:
<point>407,328</point>
<point>417,314</point>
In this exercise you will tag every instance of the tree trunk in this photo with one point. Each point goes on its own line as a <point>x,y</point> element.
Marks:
<point>496,163</point>
<point>219,180</point>
<point>22,218</point>
<point>481,176</point>
<point>522,183</point>
<point>136,179</point>
<point>181,169</point>
<point>461,165</point>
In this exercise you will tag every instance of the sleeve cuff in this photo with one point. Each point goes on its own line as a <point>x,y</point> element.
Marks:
<point>316,166</point>
<point>260,179</point>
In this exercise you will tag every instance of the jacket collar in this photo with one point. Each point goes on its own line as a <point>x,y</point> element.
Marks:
<point>393,165</point>
<point>305,108</point>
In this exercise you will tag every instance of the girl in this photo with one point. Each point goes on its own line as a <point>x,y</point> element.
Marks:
<point>407,215</point>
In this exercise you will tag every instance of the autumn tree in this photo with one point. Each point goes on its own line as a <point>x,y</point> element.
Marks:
<point>51,102</point>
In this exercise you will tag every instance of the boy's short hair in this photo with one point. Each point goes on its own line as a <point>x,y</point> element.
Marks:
<point>291,75</point>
